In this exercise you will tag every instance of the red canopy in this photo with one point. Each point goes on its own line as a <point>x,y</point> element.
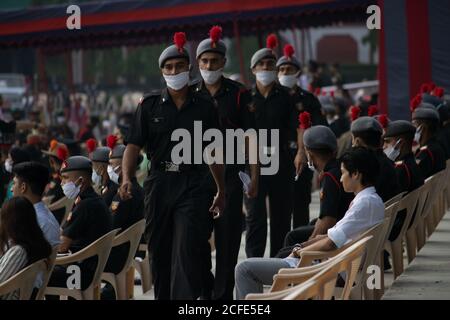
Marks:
<point>115,23</point>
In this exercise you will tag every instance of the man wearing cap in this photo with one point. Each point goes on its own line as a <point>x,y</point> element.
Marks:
<point>124,213</point>
<point>289,70</point>
<point>321,145</point>
<point>273,110</point>
<point>30,180</point>
<point>57,153</point>
<point>430,157</point>
<point>443,134</point>
<point>176,198</point>
<point>100,174</point>
<point>88,221</point>
<point>367,132</point>
<point>398,141</point>
<point>230,99</point>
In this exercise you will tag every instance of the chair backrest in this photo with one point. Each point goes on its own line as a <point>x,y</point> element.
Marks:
<point>424,192</point>
<point>394,199</point>
<point>322,285</point>
<point>100,248</point>
<point>390,213</point>
<point>435,182</point>
<point>132,235</point>
<point>50,265</point>
<point>408,203</point>
<point>65,203</point>
<point>24,280</point>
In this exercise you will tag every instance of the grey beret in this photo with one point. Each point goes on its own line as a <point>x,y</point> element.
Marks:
<point>399,127</point>
<point>208,45</point>
<point>363,124</point>
<point>172,52</point>
<point>101,154</point>
<point>76,163</point>
<point>289,60</point>
<point>117,152</point>
<point>327,103</point>
<point>435,101</point>
<point>261,54</point>
<point>425,113</point>
<point>320,137</point>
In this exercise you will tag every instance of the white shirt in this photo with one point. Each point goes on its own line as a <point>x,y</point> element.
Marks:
<point>365,211</point>
<point>48,223</point>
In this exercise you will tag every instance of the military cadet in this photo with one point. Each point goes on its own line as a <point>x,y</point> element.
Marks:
<point>367,132</point>
<point>176,198</point>
<point>230,100</point>
<point>321,145</point>
<point>273,111</point>
<point>430,157</point>
<point>289,70</point>
<point>88,221</point>
<point>443,109</point>
<point>398,142</point>
<point>100,174</point>
<point>124,213</point>
<point>57,153</point>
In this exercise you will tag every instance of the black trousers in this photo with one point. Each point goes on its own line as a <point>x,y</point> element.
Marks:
<point>227,233</point>
<point>279,188</point>
<point>299,235</point>
<point>178,229</point>
<point>302,198</point>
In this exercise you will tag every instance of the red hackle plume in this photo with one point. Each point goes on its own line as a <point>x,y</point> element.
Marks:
<point>415,103</point>
<point>91,144</point>
<point>62,153</point>
<point>372,111</point>
<point>288,51</point>
<point>354,113</point>
<point>179,39</point>
<point>215,34</point>
<point>271,41</point>
<point>383,120</point>
<point>305,120</point>
<point>111,141</point>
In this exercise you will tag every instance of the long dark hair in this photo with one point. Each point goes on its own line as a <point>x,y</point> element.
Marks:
<point>19,226</point>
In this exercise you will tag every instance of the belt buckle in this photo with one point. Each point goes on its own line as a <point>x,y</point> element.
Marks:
<point>172,167</point>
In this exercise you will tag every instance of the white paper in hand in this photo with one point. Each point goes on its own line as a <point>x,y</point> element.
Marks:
<point>245,178</point>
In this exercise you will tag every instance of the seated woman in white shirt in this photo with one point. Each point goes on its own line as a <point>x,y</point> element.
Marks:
<point>21,240</point>
<point>359,169</point>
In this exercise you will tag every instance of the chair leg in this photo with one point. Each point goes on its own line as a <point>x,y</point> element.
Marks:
<point>121,283</point>
<point>130,283</point>
<point>397,258</point>
<point>411,243</point>
<point>146,275</point>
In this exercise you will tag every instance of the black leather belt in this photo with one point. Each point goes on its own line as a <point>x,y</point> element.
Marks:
<point>168,166</point>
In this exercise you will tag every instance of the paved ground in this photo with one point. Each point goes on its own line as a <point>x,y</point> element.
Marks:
<point>428,276</point>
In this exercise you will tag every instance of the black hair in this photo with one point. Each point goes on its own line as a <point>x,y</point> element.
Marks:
<point>19,155</point>
<point>34,174</point>
<point>371,138</point>
<point>364,161</point>
<point>19,226</point>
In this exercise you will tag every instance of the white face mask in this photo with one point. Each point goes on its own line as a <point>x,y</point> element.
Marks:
<point>71,190</point>
<point>113,176</point>
<point>8,165</point>
<point>418,135</point>
<point>177,81</point>
<point>96,178</point>
<point>392,152</point>
<point>211,77</point>
<point>266,77</point>
<point>288,80</point>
